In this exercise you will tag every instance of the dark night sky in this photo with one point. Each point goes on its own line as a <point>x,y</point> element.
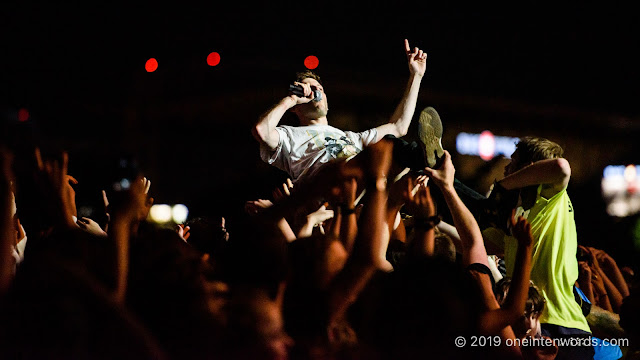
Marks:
<point>584,57</point>
<point>80,72</point>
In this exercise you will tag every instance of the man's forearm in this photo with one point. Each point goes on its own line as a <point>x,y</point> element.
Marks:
<point>403,114</point>
<point>265,129</point>
<point>467,227</point>
<point>516,298</point>
<point>550,171</point>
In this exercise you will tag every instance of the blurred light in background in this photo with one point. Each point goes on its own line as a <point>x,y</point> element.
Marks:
<point>311,62</point>
<point>179,213</point>
<point>151,65</point>
<point>160,213</point>
<point>213,59</point>
<point>164,213</point>
<point>620,185</point>
<point>486,145</point>
<point>123,184</point>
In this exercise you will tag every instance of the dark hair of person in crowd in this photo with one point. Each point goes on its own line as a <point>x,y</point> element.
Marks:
<point>444,247</point>
<point>533,309</point>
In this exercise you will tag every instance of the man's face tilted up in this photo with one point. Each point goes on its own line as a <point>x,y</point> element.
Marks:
<point>313,110</point>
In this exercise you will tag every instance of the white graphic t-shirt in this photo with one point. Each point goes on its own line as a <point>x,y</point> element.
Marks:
<point>303,149</point>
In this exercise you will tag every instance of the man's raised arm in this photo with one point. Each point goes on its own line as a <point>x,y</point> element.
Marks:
<point>265,129</point>
<point>555,173</point>
<point>401,119</point>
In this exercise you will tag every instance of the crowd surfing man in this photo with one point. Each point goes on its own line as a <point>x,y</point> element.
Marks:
<point>301,150</point>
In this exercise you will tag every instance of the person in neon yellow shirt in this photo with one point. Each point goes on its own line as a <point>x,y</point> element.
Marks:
<point>541,175</point>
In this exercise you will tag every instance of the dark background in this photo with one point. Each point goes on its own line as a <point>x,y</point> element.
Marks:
<point>568,75</point>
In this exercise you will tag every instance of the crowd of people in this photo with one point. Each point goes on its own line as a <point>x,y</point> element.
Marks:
<point>372,249</point>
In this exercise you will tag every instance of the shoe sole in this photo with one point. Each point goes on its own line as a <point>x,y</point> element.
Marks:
<point>430,134</point>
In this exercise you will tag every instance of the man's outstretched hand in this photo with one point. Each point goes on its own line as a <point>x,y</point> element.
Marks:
<point>417,59</point>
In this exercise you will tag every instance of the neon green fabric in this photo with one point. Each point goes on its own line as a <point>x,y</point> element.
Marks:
<point>554,266</point>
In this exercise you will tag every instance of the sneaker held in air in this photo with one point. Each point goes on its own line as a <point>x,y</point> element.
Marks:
<point>430,135</point>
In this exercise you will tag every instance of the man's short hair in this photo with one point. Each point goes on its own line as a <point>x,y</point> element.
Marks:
<point>532,149</point>
<point>306,74</point>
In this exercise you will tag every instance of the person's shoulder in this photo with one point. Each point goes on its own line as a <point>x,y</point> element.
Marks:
<point>304,127</point>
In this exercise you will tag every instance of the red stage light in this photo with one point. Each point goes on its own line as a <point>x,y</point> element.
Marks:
<point>213,59</point>
<point>311,62</point>
<point>151,65</point>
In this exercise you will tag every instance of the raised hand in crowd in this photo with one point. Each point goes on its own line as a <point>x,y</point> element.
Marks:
<point>183,231</point>
<point>314,220</point>
<point>254,207</point>
<point>55,188</point>
<point>128,208</point>
<point>284,190</point>
<point>146,186</point>
<point>473,250</point>
<point>90,226</point>
<point>345,222</point>
<point>424,218</point>
<point>495,319</point>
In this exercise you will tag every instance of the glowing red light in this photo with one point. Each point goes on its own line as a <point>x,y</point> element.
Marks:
<point>213,59</point>
<point>23,115</point>
<point>486,145</point>
<point>311,62</point>
<point>151,65</point>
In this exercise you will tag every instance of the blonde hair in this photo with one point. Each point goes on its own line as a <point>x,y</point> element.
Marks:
<point>532,149</point>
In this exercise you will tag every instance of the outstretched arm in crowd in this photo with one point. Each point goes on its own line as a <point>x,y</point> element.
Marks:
<point>44,197</point>
<point>53,178</point>
<point>514,304</point>
<point>473,250</point>
<point>347,221</point>
<point>127,209</point>
<point>420,205</point>
<point>496,319</point>
<point>146,184</point>
<point>401,119</point>
<point>369,250</point>
<point>254,207</point>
